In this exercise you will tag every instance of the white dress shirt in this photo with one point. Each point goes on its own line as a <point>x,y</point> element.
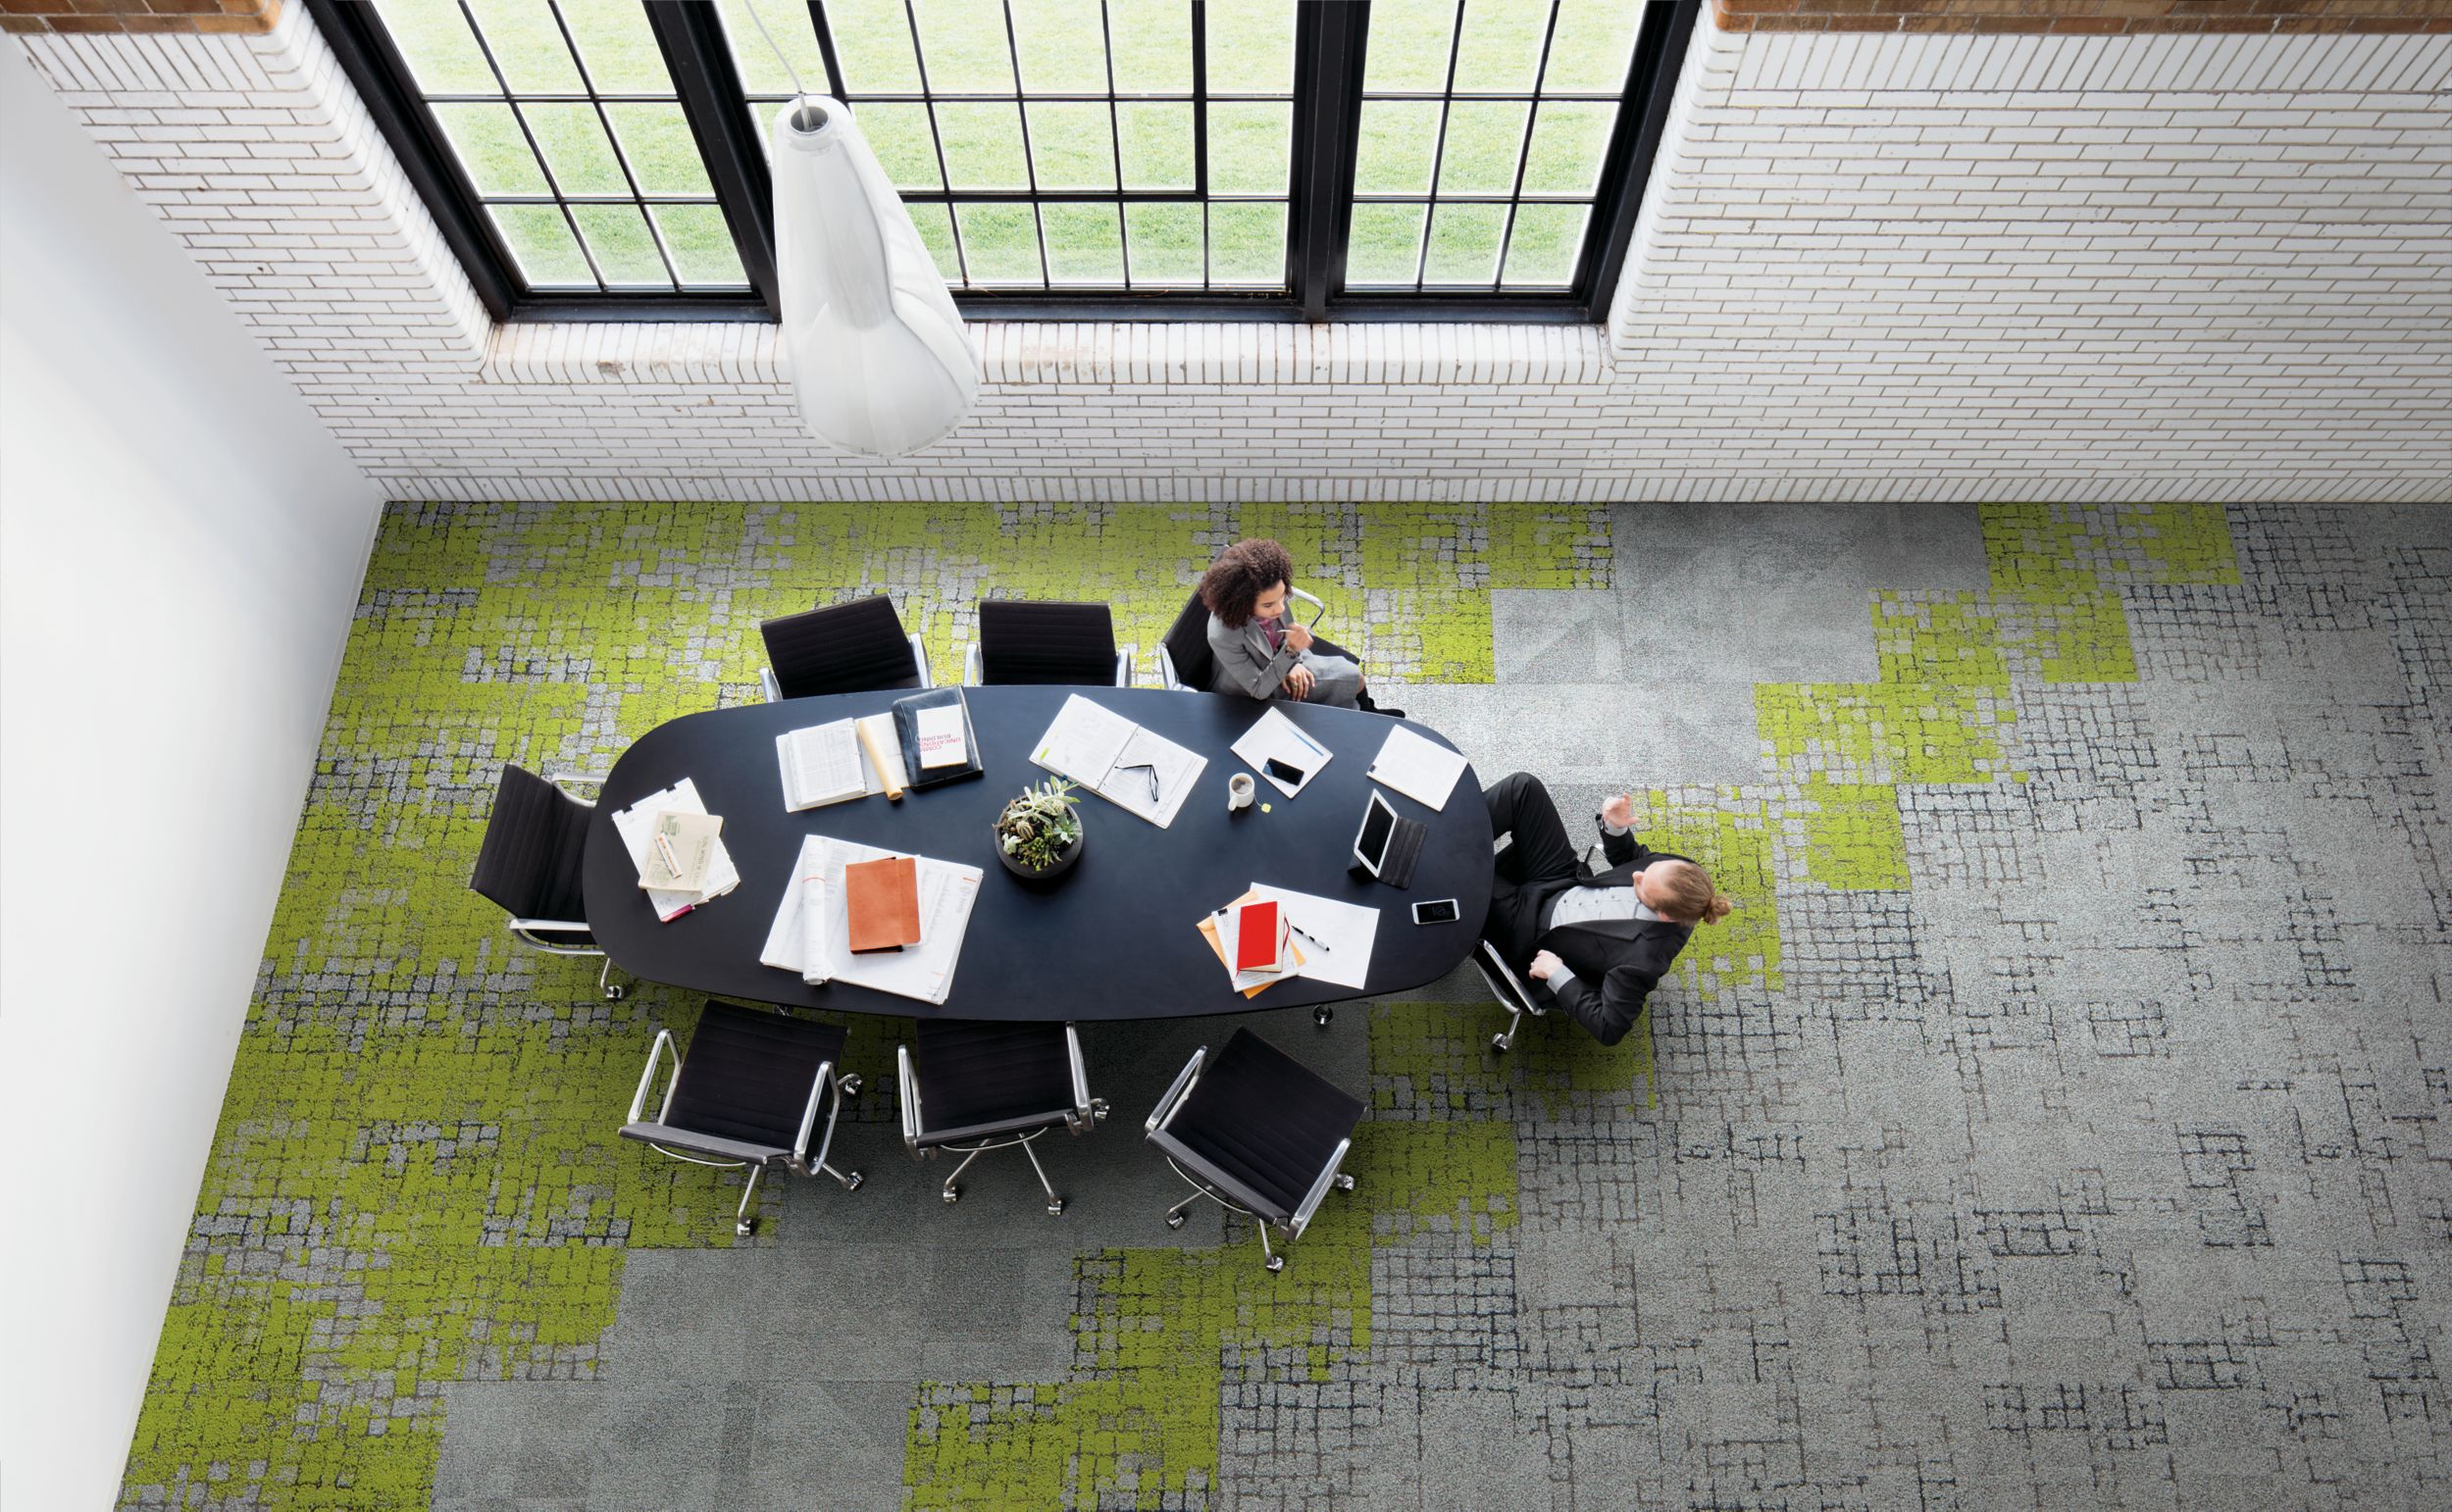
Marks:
<point>1588,905</point>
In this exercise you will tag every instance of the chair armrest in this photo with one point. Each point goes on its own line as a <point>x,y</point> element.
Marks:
<point>909,1078</point>
<point>919,659</point>
<point>1503,980</point>
<point>1185,1081</point>
<point>1086,1110</point>
<point>647,1078</point>
<point>528,929</point>
<point>809,1118</point>
<point>1320,606</point>
<point>767,684</point>
<point>720,1148</point>
<point>1301,1218</point>
<point>1124,658</point>
<point>970,665</point>
<point>566,781</point>
<point>1167,670</point>
<point>1222,1183</point>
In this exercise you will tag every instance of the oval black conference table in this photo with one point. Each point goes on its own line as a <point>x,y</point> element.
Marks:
<point>1115,938</point>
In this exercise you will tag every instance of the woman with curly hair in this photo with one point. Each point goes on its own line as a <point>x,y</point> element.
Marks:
<point>1260,651</point>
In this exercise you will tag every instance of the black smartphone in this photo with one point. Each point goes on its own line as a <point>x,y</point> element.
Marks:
<point>1283,772</point>
<point>1435,911</point>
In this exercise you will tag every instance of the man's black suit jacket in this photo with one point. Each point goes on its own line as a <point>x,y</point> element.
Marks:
<point>1617,962</point>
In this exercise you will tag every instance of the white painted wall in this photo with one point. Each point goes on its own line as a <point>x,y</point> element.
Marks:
<point>1868,267</point>
<point>180,548</point>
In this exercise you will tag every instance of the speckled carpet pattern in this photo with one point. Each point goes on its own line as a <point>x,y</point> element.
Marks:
<point>2059,1123</point>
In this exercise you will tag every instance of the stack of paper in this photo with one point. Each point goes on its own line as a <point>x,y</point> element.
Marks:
<point>1273,735</point>
<point>1137,771</point>
<point>811,934</point>
<point>1416,768</point>
<point>1222,930</point>
<point>636,826</point>
<point>845,759</point>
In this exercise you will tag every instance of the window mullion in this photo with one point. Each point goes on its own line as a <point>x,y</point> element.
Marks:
<point>711,98</point>
<point>1659,53</point>
<point>1330,41</point>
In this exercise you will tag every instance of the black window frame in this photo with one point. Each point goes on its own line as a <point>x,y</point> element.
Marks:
<point>1330,45</point>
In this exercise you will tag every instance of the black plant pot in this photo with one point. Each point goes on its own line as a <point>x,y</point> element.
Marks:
<point>1062,863</point>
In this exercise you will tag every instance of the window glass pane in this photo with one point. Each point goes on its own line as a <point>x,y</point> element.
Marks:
<point>702,245</point>
<point>1250,148</point>
<point>1408,45</point>
<point>1542,249</point>
<point>1593,45</point>
<point>899,137</point>
<point>1157,145</point>
<point>1568,141</point>
<point>540,244</point>
<point>527,46</point>
<point>491,147</point>
<point>935,224</point>
<point>1164,242</point>
<point>1062,46</point>
<point>624,247</point>
<point>1484,137</point>
<point>1085,243</point>
<point>1464,244</point>
<point>1152,46</point>
<point>983,147</point>
<point>1248,245</point>
<point>963,46</point>
<point>1386,246</point>
<point>1394,151</point>
<point>1073,147</point>
<point>873,43</point>
<point>1251,46</point>
<point>1501,48</point>
<point>574,143</point>
<point>1000,242</point>
<point>761,73</point>
<point>618,46</point>
<point>441,52</point>
<point>662,154</point>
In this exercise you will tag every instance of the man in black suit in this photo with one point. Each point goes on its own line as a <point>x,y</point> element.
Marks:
<point>1597,942</point>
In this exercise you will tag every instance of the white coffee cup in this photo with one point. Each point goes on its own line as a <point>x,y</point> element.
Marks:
<point>1239,792</point>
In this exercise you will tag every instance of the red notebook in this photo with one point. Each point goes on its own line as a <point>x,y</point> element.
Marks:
<point>1257,938</point>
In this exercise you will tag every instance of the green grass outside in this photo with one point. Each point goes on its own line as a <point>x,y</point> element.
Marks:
<point>1062,48</point>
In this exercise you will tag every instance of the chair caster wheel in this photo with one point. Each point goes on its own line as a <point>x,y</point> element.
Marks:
<point>615,994</point>
<point>1276,1263</point>
<point>1055,1209</point>
<point>1174,1220</point>
<point>951,1194</point>
<point>745,1228</point>
<point>850,1087</point>
<point>1501,1043</point>
<point>1345,1182</point>
<point>1321,1016</point>
<point>852,1180</point>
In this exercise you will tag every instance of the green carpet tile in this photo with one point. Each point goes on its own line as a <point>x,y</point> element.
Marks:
<point>2057,1123</point>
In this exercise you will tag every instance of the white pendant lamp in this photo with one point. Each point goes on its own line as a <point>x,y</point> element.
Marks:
<point>881,364</point>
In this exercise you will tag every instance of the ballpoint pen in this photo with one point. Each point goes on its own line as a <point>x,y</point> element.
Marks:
<point>1314,939</point>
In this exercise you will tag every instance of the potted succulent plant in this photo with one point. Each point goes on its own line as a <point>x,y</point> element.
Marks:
<point>1039,834</point>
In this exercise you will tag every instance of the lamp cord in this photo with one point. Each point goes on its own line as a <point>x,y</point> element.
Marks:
<point>800,95</point>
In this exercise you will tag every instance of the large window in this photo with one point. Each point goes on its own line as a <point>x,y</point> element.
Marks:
<point>1287,159</point>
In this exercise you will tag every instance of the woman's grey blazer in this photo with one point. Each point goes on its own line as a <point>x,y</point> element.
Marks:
<point>1248,665</point>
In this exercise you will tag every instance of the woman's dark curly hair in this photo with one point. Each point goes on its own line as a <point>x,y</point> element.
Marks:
<point>1241,573</point>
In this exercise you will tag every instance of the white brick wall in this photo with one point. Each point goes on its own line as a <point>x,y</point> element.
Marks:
<point>1868,267</point>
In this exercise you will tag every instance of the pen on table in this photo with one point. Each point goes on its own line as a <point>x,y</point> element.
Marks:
<point>1314,939</point>
<point>1316,749</point>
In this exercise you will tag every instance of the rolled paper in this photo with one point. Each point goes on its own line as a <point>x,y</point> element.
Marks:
<point>877,759</point>
<point>816,964</point>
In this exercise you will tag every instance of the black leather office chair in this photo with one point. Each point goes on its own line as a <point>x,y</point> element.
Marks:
<point>529,863</point>
<point>1024,642</point>
<point>972,1087</point>
<point>847,648</point>
<point>1257,1133</point>
<point>747,1097</point>
<point>1510,991</point>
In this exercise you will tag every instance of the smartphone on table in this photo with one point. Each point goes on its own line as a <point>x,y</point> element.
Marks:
<point>1435,911</point>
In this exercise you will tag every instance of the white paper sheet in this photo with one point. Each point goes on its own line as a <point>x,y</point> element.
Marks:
<point>1336,938</point>
<point>1274,734</point>
<point>820,763</point>
<point>635,825</point>
<point>1084,740</point>
<point>924,972</point>
<point>1416,768</point>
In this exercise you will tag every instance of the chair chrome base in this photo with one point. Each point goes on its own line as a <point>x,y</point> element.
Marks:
<point>1322,1014</point>
<point>614,992</point>
<point>952,1189</point>
<point>1271,1261</point>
